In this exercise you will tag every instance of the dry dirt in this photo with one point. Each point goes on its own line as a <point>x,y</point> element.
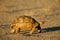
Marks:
<point>42,10</point>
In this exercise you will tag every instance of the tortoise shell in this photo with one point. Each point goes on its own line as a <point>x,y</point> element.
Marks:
<point>24,23</point>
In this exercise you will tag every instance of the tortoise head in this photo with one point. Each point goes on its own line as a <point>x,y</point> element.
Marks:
<point>42,22</point>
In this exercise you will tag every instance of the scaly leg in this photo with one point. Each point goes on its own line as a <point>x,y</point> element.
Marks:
<point>32,31</point>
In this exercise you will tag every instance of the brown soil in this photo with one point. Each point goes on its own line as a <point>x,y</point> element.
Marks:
<point>42,10</point>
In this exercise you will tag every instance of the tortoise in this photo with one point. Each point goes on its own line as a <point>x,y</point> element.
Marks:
<point>25,23</point>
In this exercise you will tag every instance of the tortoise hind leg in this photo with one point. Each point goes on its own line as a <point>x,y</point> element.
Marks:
<point>17,30</point>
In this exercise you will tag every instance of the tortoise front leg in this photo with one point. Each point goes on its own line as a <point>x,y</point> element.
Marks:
<point>34,27</point>
<point>32,31</point>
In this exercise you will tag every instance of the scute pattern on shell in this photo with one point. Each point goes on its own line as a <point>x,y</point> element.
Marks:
<point>26,19</point>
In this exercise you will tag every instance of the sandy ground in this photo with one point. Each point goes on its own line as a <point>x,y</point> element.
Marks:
<point>42,10</point>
